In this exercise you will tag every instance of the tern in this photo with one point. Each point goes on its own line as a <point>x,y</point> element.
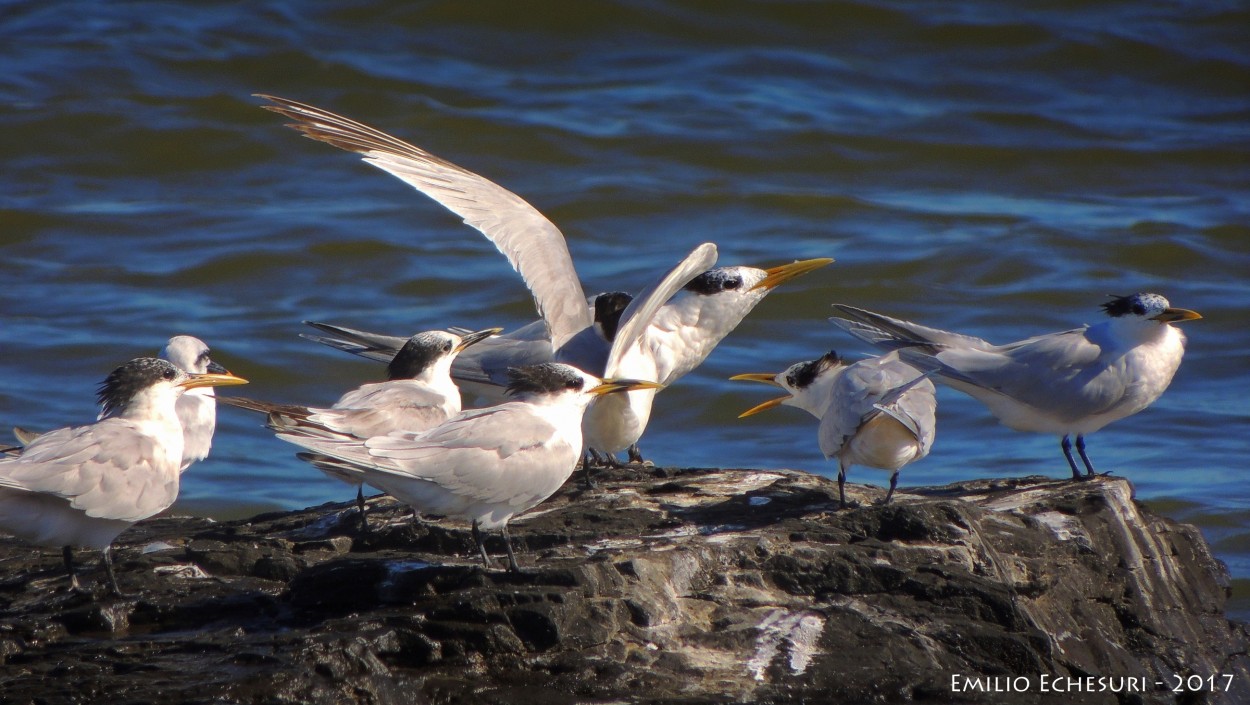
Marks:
<point>878,412</point>
<point>484,465</point>
<point>84,485</point>
<point>1068,383</point>
<point>197,408</point>
<point>570,331</point>
<point>418,395</point>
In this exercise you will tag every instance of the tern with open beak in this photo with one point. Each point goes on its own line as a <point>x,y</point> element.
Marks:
<point>879,412</point>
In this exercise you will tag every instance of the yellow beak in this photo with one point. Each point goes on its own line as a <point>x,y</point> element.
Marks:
<point>764,377</point>
<point>212,380</point>
<point>771,403</point>
<point>786,272</point>
<point>1176,315</point>
<point>621,384</point>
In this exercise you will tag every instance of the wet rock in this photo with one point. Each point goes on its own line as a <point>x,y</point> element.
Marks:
<point>673,586</point>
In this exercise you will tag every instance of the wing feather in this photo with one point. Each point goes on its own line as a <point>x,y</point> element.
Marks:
<point>108,470</point>
<point>532,244</point>
<point>642,309</point>
<point>500,455</point>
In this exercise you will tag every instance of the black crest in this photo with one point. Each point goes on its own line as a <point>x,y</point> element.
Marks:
<point>123,383</point>
<point>608,310</point>
<point>714,281</point>
<point>805,373</point>
<point>543,378</point>
<point>421,351</point>
<point>1135,305</point>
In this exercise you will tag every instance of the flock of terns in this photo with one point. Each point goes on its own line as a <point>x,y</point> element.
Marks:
<point>575,385</point>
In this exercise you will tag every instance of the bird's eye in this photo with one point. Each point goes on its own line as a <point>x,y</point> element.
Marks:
<point>790,380</point>
<point>573,384</point>
<point>169,373</point>
<point>733,283</point>
<point>1139,309</point>
<point>447,346</point>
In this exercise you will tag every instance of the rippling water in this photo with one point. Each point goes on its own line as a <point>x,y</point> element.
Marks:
<point>990,170</point>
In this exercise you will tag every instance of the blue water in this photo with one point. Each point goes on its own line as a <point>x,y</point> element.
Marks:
<point>977,167</point>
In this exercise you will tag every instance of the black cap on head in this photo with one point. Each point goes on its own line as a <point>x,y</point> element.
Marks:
<point>543,378</point>
<point>1141,304</point>
<point>805,373</point>
<point>123,383</point>
<point>421,351</point>
<point>714,281</point>
<point>608,309</point>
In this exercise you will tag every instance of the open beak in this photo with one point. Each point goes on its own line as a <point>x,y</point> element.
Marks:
<point>763,407</point>
<point>764,377</point>
<point>194,381</point>
<point>477,337</point>
<point>786,272</point>
<point>1176,315</point>
<point>621,384</point>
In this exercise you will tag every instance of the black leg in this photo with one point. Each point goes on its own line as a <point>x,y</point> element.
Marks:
<point>68,554</point>
<point>108,568</point>
<point>481,547</point>
<point>588,476</point>
<point>1080,448</point>
<point>507,542</point>
<point>360,505</point>
<point>1066,444</point>
<point>635,455</point>
<point>893,484</point>
<point>842,486</point>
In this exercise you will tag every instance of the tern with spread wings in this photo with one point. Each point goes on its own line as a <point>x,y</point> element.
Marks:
<point>571,331</point>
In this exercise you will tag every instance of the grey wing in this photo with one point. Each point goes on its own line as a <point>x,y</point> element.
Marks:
<point>501,454</point>
<point>587,351</point>
<point>532,244</point>
<point>851,401</point>
<point>485,455</point>
<point>893,333</point>
<point>382,408</point>
<point>24,436</point>
<point>913,403</point>
<point>1062,373</point>
<point>487,362</point>
<point>107,470</point>
<point>641,310</point>
<point>373,346</point>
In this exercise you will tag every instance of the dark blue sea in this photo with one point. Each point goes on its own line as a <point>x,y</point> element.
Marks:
<point>987,167</point>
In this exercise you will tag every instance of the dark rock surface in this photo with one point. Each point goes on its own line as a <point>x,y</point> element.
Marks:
<point>692,586</point>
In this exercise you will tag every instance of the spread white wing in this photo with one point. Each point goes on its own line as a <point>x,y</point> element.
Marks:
<point>532,244</point>
<point>637,316</point>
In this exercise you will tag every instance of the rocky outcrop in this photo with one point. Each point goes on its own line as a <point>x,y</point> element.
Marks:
<point>691,586</point>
